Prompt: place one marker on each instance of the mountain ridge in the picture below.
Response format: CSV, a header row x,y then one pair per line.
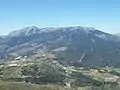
x,y
35,29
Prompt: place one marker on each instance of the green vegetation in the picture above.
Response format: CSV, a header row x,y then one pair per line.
x,y
25,86
48,74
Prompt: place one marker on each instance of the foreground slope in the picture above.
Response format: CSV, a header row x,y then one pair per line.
x,y
24,86
51,75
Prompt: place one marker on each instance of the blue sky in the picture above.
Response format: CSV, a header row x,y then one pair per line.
x,y
101,14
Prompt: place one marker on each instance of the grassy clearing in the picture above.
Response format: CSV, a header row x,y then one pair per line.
x,y
24,86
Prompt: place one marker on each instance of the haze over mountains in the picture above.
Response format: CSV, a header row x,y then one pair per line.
x,y
76,46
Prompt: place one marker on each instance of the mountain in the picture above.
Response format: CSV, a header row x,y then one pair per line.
x,y
74,46
118,34
25,31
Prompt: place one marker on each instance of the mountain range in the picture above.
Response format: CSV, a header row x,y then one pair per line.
x,y
75,46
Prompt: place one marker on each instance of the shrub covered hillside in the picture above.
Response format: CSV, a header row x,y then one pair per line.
x,y
51,74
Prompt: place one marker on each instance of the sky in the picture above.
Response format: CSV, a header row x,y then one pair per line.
x,y
100,14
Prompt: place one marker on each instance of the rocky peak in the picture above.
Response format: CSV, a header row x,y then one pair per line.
x,y
25,31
